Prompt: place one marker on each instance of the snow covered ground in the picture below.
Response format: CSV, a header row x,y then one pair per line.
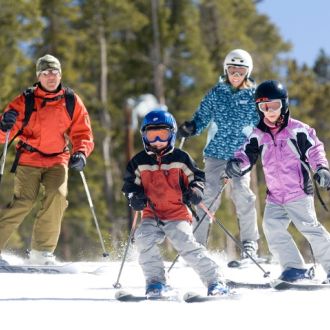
x,y
86,301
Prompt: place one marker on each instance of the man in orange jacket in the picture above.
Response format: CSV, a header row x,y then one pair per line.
x,y
43,158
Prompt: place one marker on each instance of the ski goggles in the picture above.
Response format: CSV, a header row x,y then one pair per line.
x,y
154,134
240,71
270,106
47,73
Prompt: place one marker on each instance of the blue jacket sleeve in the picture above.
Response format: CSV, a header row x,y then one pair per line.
x,y
204,114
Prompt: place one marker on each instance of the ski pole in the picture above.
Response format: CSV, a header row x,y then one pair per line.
x,y
117,285
237,242
105,254
182,142
4,154
199,221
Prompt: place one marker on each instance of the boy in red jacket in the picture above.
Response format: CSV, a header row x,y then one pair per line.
x,y
160,181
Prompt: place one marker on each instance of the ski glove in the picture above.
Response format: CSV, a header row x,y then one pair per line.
x,y
77,161
322,176
193,196
233,168
188,128
8,120
137,201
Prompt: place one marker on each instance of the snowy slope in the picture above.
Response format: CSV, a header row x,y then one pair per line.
x,y
86,301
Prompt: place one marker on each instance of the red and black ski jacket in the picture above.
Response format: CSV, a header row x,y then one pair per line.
x,y
164,179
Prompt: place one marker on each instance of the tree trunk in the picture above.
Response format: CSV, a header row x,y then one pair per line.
x,y
105,122
158,66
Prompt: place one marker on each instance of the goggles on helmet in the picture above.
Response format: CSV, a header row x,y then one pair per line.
x,y
47,73
270,106
239,71
157,134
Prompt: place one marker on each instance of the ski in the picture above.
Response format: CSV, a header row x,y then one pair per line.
x,y
193,297
68,268
247,285
246,262
130,297
305,286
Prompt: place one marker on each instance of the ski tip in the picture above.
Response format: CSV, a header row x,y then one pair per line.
x,y
189,295
121,294
101,270
275,282
234,264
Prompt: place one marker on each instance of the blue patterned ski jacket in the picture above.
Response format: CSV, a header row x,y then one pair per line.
x,y
230,114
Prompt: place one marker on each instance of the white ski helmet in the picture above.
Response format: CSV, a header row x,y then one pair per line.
x,y
238,57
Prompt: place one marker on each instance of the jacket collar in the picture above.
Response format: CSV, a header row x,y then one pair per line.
x,y
41,92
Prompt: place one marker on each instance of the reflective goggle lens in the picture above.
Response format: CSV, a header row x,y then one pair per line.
x,y
271,106
237,70
162,134
47,73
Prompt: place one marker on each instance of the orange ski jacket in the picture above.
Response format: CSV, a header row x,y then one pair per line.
x,y
50,129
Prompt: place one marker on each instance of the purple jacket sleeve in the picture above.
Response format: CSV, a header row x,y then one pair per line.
x,y
315,152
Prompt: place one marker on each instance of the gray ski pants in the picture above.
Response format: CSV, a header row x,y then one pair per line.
x,y
241,194
147,238
280,242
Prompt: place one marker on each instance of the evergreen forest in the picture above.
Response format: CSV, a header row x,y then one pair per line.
x,y
115,54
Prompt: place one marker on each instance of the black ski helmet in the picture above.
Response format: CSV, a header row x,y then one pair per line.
x,y
272,90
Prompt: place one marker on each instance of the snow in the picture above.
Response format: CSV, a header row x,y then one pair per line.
x,y
86,301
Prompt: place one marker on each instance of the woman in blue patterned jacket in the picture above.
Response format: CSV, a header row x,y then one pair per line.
x,y
228,110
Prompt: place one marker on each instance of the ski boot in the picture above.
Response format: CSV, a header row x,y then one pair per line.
x,y
41,258
157,290
251,247
217,289
294,274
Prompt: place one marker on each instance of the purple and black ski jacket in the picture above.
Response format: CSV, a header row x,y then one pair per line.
x,y
286,158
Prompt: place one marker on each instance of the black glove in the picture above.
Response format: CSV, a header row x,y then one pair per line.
x,y
77,161
233,168
8,120
188,128
137,201
322,176
193,195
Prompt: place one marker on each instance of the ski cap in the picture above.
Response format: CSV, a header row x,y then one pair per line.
x,y
48,62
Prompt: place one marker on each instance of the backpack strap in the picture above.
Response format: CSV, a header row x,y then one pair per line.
x,y
29,108
70,101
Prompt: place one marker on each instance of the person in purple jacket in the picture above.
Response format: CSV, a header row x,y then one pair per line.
x,y
289,151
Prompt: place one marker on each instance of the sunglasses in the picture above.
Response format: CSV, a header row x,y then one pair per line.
x,y
240,71
270,106
160,134
47,73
